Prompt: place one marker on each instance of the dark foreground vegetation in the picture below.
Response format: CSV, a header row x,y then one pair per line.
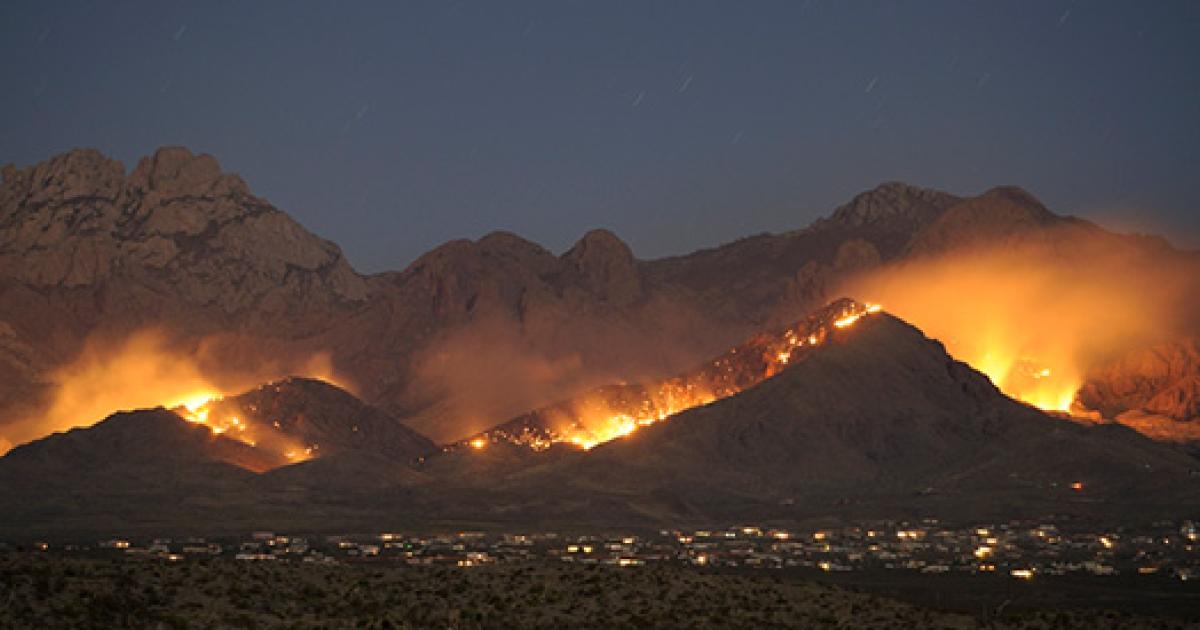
x,y
47,591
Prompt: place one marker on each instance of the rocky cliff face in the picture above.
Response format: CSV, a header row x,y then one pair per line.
x,y
484,328
1162,380
87,251
997,216
176,224
892,206
469,334
605,266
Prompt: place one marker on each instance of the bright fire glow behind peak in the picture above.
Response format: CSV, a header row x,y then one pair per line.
x,y
145,370
1035,316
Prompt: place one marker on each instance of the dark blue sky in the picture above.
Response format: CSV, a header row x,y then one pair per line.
x,y
391,128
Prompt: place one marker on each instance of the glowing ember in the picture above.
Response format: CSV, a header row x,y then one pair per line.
x,y
206,408
195,408
847,320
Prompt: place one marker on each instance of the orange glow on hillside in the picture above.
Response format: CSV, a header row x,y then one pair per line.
x,y
207,409
1031,321
146,371
619,411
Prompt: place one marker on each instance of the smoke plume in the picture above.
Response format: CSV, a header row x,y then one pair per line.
x,y
1034,317
148,369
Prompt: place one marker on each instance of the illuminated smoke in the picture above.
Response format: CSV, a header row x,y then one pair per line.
x,y
144,370
1035,317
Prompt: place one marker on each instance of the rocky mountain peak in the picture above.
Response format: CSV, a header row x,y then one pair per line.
x,y
501,240
599,240
511,247
997,216
177,220
606,265
1016,196
177,172
79,174
1163,380
891,200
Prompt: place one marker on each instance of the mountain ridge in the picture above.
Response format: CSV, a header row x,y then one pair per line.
x,y
922,435
201,256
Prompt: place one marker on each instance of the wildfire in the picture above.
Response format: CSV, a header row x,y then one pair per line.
x,y
847,320
207,408
619,411
145,370
194,407
1030,321
197,408
1026,378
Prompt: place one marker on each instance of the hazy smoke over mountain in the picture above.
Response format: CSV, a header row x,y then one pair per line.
x,y
148,369
1036,316
484,373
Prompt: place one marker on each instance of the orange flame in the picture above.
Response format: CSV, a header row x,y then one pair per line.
x,y
206,409
144,370
597,423
620,411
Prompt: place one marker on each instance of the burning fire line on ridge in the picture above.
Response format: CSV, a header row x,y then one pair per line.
x,y
205,408
620,410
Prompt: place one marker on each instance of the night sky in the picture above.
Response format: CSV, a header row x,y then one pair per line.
x,y
392,128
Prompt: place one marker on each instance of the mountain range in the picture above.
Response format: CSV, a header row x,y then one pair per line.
x,y
474,335
873,421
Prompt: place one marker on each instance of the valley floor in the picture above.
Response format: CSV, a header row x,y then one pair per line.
x,y
50,590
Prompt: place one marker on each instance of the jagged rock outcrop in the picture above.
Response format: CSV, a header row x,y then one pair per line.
x,y
86,250
895,204
1162,380
177,225
461,280
500,319
606,267
1000,215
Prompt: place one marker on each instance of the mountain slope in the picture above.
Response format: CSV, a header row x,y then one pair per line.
x,y
153,467
618,409
879,421
468,334
135,468
875,421
322,419
90,255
